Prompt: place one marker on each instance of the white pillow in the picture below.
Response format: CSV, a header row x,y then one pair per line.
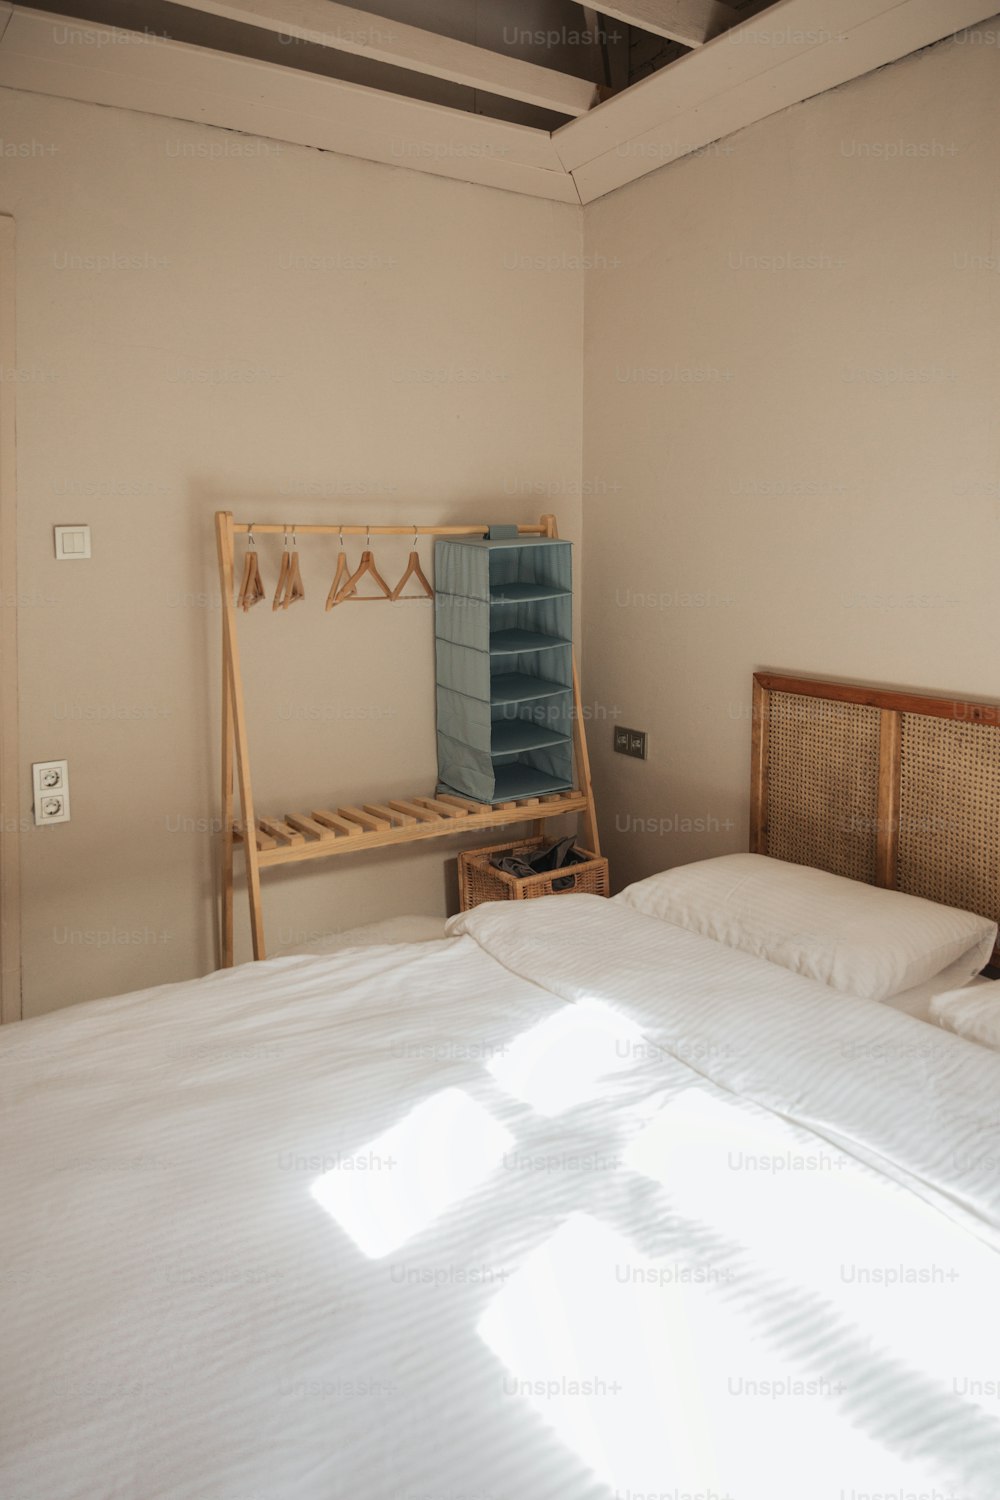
x,y
857,938
974,1014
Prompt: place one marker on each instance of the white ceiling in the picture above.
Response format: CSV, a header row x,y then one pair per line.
x,y
547,97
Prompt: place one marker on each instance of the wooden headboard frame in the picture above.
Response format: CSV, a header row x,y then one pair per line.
x,y
899,789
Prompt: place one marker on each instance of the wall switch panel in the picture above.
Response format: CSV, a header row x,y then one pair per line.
x,y
50,780
72,543
630,742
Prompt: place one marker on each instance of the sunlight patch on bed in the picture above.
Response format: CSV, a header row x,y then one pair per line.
x,y
569,1058
892,1269
406,1178
665,1387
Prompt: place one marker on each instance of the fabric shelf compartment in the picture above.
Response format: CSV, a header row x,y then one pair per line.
x,y
462,621
532,723
502,641
476,623
473,568
515,736
466,769
525,593
507,678
517,779
529,675
519,687
503,627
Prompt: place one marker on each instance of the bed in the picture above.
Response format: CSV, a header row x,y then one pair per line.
x,y
575,1201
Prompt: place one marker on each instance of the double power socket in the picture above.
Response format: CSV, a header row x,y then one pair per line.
x,y
50,780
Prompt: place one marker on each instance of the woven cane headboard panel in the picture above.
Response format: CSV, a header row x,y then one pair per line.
x,y
895,789
822,786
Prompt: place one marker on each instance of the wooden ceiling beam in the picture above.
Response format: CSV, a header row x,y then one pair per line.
x,y
776,59
692,22
185,82
345,29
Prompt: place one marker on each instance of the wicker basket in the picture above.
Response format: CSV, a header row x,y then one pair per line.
x,y
479,881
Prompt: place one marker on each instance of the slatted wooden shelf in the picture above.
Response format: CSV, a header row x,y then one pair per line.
x,y
374,825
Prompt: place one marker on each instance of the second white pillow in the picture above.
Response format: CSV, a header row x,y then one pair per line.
x,y
857,938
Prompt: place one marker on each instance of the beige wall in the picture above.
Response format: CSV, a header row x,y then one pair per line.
x,y
293,335
792,432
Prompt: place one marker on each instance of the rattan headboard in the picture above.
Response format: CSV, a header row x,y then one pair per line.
x,y
893,788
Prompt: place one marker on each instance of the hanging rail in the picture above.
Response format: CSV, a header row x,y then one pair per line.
x,y
327,530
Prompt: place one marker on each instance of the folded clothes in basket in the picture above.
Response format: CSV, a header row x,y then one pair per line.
x,y
539,861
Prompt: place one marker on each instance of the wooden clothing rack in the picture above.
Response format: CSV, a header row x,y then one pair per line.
x,y
320,833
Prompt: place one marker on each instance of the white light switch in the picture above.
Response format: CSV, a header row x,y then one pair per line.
x,y
50,779
72,543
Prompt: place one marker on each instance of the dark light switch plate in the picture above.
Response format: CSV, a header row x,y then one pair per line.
x,y
630,742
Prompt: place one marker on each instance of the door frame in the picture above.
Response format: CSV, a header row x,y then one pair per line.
x,y
10,810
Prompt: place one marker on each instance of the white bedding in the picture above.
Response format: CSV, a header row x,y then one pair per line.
x,y
580,1205
971,1012
919,1001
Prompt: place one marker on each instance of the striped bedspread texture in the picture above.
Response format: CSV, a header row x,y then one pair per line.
x,y
572,1203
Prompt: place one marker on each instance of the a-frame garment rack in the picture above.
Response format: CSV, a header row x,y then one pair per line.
x,y
290,838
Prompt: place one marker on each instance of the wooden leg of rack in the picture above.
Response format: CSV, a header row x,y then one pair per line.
x,y
256,909
226,892
591,837
224,539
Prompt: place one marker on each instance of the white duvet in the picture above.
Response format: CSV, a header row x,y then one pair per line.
x,y
580,1205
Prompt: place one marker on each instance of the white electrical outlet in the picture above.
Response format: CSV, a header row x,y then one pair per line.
x,y
50,779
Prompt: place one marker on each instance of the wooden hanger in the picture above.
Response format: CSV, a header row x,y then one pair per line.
x,y
343,572
349,595
279,593
413,570
251,588
290,586
294,587
282,576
